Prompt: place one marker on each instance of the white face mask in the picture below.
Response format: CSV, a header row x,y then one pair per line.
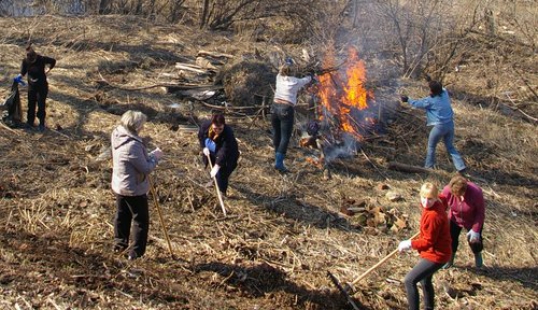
x,y
427,202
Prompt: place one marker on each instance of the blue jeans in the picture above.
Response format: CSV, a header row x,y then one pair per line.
x,y
445,132
282,119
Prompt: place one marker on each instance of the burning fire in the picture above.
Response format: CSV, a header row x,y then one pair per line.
x,y
343,94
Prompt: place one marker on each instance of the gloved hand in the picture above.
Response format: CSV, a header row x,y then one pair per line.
x,y
404,98
206,151
404,246
19,80
210,145
157,153
214,171
473,236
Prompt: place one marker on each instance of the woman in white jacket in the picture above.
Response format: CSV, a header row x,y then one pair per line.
x,y
283,110
131,167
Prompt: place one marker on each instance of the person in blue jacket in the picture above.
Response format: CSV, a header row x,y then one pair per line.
x,y
440,117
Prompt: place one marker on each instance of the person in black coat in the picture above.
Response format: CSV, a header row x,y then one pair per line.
x,y
38,87
217,141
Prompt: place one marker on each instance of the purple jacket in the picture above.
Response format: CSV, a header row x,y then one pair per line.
x,y
470,212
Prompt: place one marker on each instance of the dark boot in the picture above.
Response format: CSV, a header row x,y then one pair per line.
x,y
41,127
279,162
478,260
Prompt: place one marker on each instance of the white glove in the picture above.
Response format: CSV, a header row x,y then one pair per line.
x,y
473,236
205,151
404,246
157,153
214,171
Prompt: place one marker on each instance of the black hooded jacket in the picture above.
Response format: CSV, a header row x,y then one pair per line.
x,y
36,70
227,150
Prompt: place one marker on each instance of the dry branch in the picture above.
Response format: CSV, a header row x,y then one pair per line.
x,y
406,168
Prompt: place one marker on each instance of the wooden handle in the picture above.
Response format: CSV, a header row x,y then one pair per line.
x,y
221,202
374,267
156,203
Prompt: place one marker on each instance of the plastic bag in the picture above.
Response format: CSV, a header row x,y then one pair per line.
x,y
12,105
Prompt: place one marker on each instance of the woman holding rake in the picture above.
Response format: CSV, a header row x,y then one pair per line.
x,y
218,143
433,245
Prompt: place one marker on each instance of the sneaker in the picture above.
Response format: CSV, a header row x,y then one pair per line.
x,y
478,260
132,256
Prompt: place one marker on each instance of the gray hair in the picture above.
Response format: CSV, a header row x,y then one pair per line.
x,y
133,120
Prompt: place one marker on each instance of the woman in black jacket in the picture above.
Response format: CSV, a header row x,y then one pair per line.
x,y
217,141
38,88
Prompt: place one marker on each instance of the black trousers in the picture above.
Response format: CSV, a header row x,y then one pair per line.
x,y
282,118
37,94
223,176
423,273
131,209
455,231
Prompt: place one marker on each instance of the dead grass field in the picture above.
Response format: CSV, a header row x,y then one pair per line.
x,y
282,233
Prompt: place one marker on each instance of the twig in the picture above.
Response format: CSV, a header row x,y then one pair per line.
x,y
375,167
3,125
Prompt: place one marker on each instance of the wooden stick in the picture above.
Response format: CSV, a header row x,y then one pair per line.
x,y
217,187
374,267
156,203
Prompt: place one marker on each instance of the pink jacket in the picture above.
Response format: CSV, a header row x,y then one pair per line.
x,y
470,212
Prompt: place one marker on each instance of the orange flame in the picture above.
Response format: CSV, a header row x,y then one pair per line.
x,y
340,95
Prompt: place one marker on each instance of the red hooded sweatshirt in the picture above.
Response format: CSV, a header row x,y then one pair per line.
x,y
434,242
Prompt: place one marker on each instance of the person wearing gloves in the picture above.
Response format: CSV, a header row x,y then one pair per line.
x,y
283,110
217,141
433,245
130,183
440,117
467,210
34,65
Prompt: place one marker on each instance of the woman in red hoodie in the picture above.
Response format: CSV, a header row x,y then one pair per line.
x,y
433,244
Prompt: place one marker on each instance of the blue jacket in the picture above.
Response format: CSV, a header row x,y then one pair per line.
x,y
438,109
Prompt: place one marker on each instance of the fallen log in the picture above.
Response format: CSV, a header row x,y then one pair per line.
x,y
193,68
406,168
231,108
214,54
170,86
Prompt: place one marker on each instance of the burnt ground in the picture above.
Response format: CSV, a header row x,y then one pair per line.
x,y
282,233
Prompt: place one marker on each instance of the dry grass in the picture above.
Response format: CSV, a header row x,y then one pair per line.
x,y
282,233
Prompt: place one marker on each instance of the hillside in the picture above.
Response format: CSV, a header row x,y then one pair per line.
x,y
282,232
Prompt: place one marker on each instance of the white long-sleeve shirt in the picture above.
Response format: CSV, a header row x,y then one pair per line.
x,y
287,87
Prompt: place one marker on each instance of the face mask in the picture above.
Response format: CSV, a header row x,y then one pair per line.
x,y
427,202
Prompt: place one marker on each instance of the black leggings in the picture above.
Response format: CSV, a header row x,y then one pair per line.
x,y
423,273
37,94
455,231
135,209
282,119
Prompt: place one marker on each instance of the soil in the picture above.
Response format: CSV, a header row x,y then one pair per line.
x,y
282,232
